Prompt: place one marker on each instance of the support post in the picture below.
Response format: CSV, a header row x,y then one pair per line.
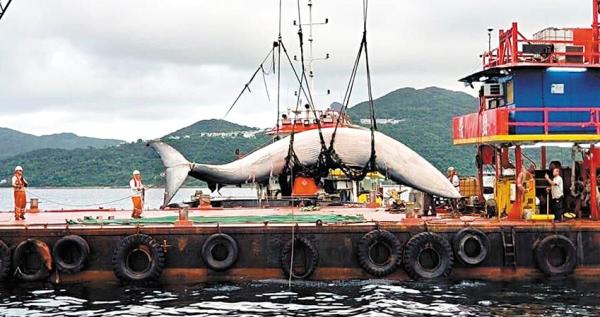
x,y
543,157
595,49
593,196
517,206
515,43
480,173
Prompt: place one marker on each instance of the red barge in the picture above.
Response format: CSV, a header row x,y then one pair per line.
x,y
535,92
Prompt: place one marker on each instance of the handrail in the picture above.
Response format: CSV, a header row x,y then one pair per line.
x,y
594,120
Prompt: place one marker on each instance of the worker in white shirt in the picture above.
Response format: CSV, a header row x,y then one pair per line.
x,y
137,194
455,180
556,190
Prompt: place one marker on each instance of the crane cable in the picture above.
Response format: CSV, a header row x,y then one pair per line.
x,y
247,85
3,9
331,158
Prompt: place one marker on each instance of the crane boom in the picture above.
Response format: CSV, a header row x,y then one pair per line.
x,y
4,7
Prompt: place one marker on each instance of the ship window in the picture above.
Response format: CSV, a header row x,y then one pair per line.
x,y
510,92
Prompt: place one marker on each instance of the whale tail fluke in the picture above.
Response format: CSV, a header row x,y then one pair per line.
x,y
177,168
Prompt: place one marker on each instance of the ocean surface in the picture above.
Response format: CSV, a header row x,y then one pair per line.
x,y
276,298
563,297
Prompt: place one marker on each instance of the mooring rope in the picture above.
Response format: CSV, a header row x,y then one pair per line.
x,y
76,205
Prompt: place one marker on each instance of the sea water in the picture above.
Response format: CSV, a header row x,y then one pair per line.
x,y
277,298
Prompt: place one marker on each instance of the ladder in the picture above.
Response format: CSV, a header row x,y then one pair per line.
x,y
510,250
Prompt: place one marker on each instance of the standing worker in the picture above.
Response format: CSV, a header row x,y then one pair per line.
x,y
526,179
18,184
137,196
556,191
455,180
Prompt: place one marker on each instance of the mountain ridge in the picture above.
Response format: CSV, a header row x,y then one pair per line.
x,y
419,118
13,142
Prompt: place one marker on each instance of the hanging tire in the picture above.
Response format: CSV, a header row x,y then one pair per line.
x,y
379,252
305,258
556,255
5,261
138,258
70,253
428,255
32,260
220,251
471,246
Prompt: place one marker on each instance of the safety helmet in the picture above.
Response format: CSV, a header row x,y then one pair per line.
x,y
18,168
136,172
450,169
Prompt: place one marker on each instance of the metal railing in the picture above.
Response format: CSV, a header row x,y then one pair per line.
x,y
594,118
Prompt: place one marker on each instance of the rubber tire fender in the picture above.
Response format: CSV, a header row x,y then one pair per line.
x,y
311,262
70,241
41,273
390,241
464,235
428,241
149,246
232,251
5,261
542,251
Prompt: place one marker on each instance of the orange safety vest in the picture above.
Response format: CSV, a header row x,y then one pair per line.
x,y
19,183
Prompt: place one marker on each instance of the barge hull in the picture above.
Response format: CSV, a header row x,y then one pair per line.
x,y
261,246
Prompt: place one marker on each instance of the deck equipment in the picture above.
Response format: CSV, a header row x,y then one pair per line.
x,y
537,92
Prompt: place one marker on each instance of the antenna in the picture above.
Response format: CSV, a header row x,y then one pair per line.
x,y
311,59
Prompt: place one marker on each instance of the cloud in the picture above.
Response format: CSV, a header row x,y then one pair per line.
x,y
143,68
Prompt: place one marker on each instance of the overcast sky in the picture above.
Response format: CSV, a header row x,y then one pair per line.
x,y
132,69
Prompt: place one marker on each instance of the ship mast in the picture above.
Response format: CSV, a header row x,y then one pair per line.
x,y
311,57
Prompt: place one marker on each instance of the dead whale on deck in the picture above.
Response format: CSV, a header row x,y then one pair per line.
x,y
394,159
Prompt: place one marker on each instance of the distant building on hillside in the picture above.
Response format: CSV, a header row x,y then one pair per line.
x,y
382,121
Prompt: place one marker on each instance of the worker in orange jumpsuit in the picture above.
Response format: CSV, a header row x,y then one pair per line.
x,y
137,195
18,184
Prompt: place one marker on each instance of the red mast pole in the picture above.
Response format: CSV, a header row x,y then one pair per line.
x,y
595,40
517,206
515,43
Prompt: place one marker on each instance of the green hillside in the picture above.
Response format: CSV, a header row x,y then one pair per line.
x,y
112,166
14,142
423,122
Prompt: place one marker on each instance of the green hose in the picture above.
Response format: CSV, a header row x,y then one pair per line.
x,y
230,219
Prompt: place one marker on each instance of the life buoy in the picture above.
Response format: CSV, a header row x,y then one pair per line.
x,y
220,251
379,252
138,258
70,253
305,258
4,261
428,255
32,260
471,246
556,255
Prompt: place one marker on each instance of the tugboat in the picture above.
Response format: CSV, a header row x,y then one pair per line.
x,y
535,93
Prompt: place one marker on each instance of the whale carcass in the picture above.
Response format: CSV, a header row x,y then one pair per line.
x,y
353,146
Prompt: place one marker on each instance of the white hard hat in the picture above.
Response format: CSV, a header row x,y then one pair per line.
x,y
18,168
136,172
450,169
